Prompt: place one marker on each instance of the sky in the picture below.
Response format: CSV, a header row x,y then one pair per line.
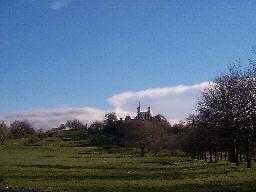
x,y
65,59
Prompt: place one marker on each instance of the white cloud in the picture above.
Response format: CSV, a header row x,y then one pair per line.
x,y
58,4
49,118
176,102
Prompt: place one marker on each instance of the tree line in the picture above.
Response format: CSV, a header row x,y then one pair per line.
x,y
226,119
17,129
144,134
224,125
25,129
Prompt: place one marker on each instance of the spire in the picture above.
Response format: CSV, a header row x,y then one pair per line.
x,y
138,108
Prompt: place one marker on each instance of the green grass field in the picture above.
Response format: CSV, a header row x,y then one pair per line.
x,y
57,165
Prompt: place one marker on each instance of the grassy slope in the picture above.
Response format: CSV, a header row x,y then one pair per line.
x,y
63,166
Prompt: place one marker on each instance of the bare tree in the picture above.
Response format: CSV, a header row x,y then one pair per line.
x,y
110,118
149,134
4,132
75,124
96,126
228,109
20,129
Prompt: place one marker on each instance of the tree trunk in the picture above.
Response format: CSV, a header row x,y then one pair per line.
x,y
232,155
2,140
253,152
210,156
237,152
236,157
142,151
248,159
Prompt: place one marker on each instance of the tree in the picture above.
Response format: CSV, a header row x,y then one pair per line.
x,y
200,138
160,117
110,118
4,132
75,124
227,108
96,126
149,134
21,129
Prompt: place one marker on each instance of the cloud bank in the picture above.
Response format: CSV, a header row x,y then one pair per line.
x,y
50,118
175,102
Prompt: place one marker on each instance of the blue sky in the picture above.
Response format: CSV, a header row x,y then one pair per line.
x,y
59,54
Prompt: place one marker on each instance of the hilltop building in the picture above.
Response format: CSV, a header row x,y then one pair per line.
x,y
141,115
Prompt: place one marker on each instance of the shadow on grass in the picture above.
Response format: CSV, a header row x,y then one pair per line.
x,y
174,188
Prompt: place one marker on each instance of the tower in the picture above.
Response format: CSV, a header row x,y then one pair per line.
x,y
143,115
138,108
149,110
